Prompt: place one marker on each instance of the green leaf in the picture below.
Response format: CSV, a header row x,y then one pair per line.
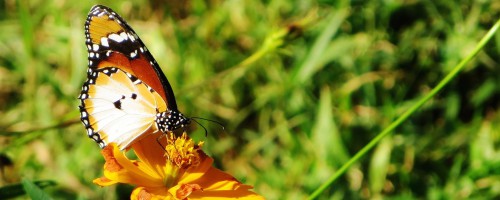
x,y
15,190
11,191
379,165
326,135
34,191
312,63
485,91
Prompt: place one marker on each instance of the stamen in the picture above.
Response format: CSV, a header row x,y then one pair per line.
x,y
182,151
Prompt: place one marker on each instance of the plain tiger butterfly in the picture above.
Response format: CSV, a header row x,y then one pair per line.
x,y
126,95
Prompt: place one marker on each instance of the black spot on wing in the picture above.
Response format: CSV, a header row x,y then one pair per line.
x,y
118,104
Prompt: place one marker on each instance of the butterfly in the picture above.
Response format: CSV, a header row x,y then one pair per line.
x,y
126,95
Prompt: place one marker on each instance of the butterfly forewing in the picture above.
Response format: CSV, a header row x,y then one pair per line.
x,y
109,37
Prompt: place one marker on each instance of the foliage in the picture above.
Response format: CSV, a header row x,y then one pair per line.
x,y
300,87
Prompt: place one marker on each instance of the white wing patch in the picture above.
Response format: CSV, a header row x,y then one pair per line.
x,y
119,107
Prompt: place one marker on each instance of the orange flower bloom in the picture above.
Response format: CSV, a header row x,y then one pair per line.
x,y
179,171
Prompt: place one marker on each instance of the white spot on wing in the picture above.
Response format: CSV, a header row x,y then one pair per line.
x,y
116,37
104,42
133,54
131,37
124,35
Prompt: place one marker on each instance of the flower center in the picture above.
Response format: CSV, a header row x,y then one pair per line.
x,y
182,151
181,154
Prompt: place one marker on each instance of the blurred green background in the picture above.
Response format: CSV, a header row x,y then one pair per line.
x,y
294,112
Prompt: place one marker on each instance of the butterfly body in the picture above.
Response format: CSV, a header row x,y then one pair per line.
x,y
126,95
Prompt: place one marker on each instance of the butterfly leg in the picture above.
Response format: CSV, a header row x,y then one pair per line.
x,y
159,143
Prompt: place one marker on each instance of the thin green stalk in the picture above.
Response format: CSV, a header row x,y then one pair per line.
x,y
406,114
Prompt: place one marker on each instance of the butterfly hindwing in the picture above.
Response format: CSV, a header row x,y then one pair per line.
x,y
117,102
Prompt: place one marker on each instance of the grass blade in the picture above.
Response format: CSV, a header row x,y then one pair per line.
x,y
406,114
34,191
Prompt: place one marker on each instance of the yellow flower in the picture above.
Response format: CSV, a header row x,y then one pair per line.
x,y
176,169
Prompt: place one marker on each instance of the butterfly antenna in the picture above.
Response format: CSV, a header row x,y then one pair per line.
x,y
210,120
206,131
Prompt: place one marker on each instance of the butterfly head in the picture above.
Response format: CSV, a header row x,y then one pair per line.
x,y
171,120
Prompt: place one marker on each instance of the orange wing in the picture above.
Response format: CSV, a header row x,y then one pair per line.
x,y
111,42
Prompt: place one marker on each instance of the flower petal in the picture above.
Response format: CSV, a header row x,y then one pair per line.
x,y
213,184
196,172
186,189
103,181
119,168
151,194
208,177
215,179
156,176
149,151
224,194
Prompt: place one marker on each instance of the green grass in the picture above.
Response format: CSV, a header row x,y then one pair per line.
x,y
301,88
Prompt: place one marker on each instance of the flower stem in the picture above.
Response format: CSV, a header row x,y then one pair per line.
x,y
406,114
